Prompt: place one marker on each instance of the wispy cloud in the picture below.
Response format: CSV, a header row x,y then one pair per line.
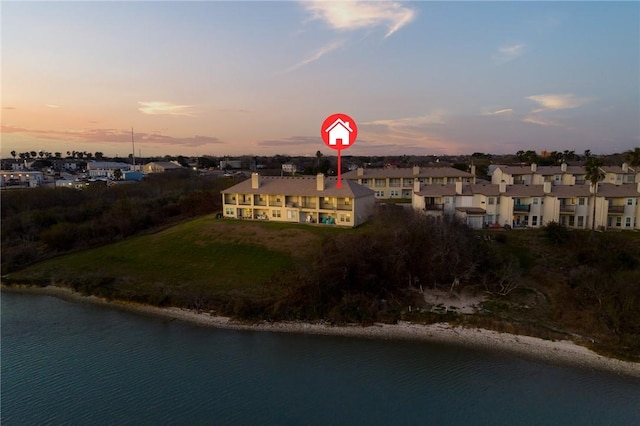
x,y
293,141
9,107
505,111
436,117
53,106
113,136
353,15
535,119
317,54
508,53
557,101
164,108
359,14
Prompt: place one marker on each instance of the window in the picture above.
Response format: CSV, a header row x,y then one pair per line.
x,y
380,182
629,201
492,201
541,220
498,200
229,211
581,221
489,218
276,213
619,221
291,214
394,193
447,200
534,220
572,221
581,201
628,222
558,178
379,193
365,181
535,201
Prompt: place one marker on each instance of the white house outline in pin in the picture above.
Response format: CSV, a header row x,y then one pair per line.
x,y
339,131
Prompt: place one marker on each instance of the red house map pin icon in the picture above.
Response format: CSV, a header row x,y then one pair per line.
x,y
339,131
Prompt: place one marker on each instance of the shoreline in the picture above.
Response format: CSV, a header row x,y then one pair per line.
x,y
554,352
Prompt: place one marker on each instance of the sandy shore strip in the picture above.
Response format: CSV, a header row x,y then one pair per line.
x,y
557,352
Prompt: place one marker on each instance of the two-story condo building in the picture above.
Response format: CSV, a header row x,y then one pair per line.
x,y
616,206
306,199
399,182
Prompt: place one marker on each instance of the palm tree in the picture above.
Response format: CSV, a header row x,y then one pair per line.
x,y
319,155
13,154
633,157
594,175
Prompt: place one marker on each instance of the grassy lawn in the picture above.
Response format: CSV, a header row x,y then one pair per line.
x,y
208,255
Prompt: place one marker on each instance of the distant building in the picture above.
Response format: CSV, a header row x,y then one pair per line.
x,y
105,168
389,183
162,166
21,179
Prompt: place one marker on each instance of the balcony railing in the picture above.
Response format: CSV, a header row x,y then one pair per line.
x,y
616,209
433,207
308,205
568,208
521,207
343,206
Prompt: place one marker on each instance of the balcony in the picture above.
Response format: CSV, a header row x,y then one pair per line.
x,y
434,207
567,208
344,206
308,205
327,206
521,207
616,209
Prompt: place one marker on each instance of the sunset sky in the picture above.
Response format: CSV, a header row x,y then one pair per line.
x,y
228,78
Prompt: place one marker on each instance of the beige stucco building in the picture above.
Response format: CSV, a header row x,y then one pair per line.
x,y
306,199
389,183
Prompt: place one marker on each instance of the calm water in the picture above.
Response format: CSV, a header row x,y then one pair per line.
x,y
66,363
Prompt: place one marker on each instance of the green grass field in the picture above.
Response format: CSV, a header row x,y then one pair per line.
x,y
205,255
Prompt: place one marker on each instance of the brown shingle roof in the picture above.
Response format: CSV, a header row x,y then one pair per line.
x,y
611,190
525,191
437,190
305,185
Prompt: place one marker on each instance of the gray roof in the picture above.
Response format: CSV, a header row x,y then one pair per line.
x,y
491,190
541,170
525,191
437,190
304,185
408,173
566,191
617,169
164,164
612,191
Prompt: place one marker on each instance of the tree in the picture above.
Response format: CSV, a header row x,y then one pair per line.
x,y
319,156
33,154
117,173
594,175
58,155
632,157
13,154
99,155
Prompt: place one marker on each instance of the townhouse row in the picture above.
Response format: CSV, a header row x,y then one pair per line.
x,y
575,206
319,199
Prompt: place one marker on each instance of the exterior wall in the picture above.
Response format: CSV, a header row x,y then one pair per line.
x,y
20,179
340,211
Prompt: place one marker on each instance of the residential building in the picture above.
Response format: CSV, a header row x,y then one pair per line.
x,y
162,166
303,199
392,182
105,168
21,179
533,206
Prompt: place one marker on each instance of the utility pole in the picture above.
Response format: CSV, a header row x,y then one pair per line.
x,y
133,151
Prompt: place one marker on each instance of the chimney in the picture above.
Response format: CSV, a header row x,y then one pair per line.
x,y
534,167
625,168
546,187
638,187
320,182
360,171
563,167
502,187
459,188
255,181
416,185
416,170
473,169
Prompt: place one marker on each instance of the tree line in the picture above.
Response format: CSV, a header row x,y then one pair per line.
x,y
41,222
